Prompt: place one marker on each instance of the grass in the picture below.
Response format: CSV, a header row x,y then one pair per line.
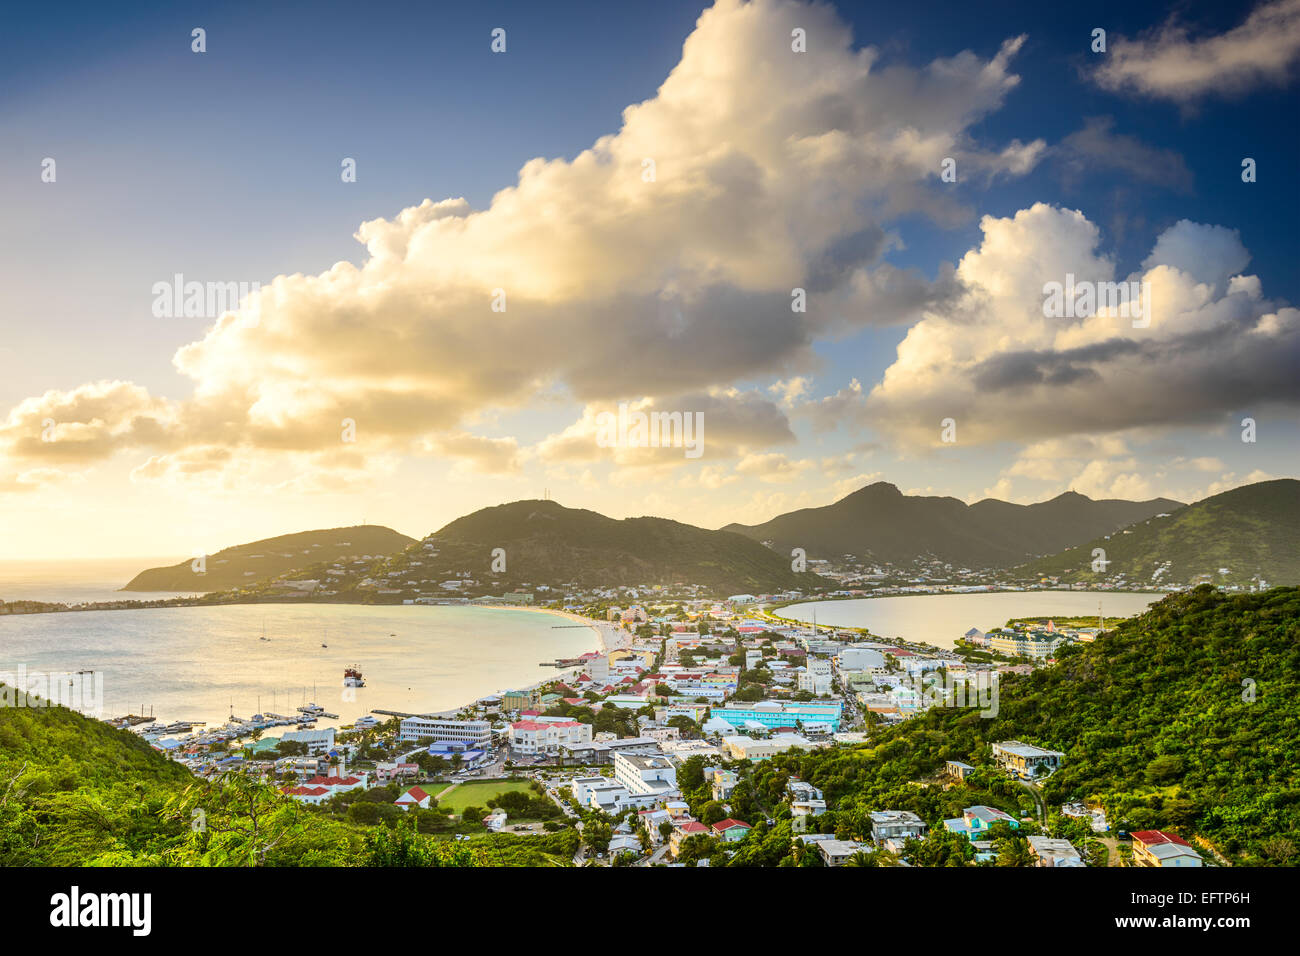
x,y
478,793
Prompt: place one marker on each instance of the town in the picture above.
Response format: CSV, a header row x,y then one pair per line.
x,y
660,748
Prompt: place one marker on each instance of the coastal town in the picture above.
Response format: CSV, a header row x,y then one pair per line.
x,y
659,747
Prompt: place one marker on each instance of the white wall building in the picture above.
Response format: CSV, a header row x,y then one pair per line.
x,y
476,734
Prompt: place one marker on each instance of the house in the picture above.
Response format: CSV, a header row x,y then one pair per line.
x,y
896,824
731,830
1052,852
624,843
683,830
799,790
957,769
1158,848
495,820
837,852
724,782
312,795
415,797
1026,760
338,784
393,770
975,820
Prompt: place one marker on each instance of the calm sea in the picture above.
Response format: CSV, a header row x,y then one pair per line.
x,y
203,663
940,619
77,582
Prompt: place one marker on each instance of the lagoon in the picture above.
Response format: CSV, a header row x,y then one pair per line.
x,y
199,663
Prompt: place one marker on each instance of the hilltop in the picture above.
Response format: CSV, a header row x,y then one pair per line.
x,y
259,561
1236,537
547,543
879,523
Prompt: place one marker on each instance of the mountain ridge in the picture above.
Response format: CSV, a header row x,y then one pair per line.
x,y
879,523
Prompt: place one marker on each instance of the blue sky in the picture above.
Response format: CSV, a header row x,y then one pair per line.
x,y
225,166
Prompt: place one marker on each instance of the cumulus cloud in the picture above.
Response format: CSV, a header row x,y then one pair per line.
x,y
1169,63
1004,371
772,170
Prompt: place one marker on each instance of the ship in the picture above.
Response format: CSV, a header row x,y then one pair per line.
x,y
352,678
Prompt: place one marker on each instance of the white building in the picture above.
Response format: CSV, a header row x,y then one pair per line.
x,y
317,741
476,734
816,676
860,659
548,737
646,776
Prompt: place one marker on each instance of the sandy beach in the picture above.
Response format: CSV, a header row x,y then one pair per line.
x,y
611,636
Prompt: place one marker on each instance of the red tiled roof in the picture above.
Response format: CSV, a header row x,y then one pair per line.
x,y
1156,837
415,793
306,791
692,826
729,823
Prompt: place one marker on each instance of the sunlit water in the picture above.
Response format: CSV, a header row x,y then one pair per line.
x,y
940,619
197,663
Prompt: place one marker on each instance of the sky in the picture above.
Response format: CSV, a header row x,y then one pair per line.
x,y
823,232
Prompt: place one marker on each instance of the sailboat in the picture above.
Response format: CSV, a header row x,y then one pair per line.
x,y
264,637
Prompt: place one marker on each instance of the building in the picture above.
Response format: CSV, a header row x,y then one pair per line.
x,y
815,678
955,768
747,748
723,782
495,820
644,776
317,741
391,770
1026,760
896,825
548,737
860,659
415,797
683,831
1158,848
476,734
305,794
977,820
837,852
731,830
1052,852
776,713
520,699
1038,645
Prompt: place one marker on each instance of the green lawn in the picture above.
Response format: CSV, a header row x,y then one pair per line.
x,y
478,793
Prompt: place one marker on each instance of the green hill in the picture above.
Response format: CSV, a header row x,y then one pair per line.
x,y
264,560
879,523
76,792
546,543
1236,537
1185,718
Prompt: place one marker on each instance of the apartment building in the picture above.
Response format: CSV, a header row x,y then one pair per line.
x,y
475,734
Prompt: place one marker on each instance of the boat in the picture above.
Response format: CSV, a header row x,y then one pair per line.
x,y
352,677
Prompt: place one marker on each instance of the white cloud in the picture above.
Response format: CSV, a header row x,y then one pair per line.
x,y
1169,63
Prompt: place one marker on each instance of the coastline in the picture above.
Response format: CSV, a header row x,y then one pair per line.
x,y
611,636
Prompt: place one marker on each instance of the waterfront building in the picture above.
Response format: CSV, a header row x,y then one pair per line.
x,y
474,733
